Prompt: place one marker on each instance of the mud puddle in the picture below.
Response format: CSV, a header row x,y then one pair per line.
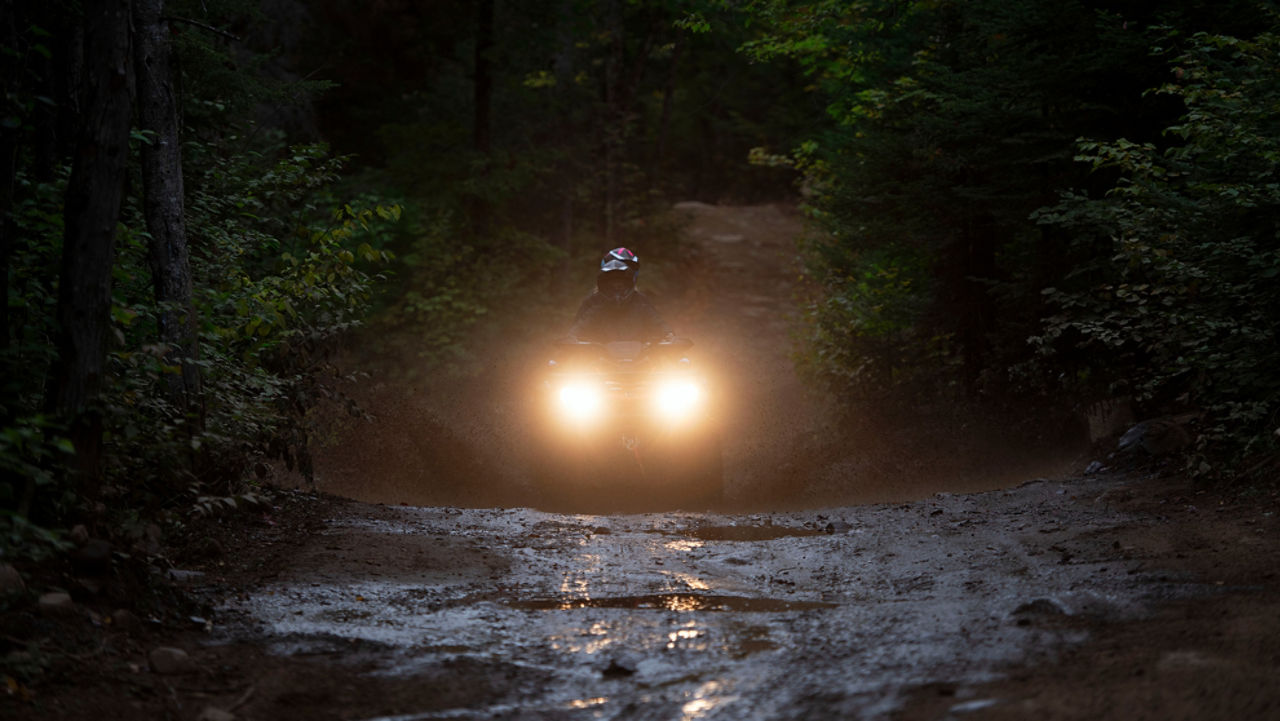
x,y
748,533
827,614
678,602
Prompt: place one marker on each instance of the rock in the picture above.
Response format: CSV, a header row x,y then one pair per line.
x,y
151,542
1119,494
56,605
179,575
1158,436
619,668
979,704
168,661
213,713
11,583
205,548
1040,608
1094,467
79,534
93,558
125,621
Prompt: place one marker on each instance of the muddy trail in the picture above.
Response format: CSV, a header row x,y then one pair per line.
x,y
462,438
938,572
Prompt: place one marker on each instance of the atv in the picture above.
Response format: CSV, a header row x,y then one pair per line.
x,y
626,426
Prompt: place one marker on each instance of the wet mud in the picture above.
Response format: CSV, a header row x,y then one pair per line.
x,y
834,613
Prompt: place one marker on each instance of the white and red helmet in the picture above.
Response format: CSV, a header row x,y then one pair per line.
x,y
618,271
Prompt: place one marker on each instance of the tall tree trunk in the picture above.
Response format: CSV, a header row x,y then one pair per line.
x,y
483,128
163,206
668,92
613,133
478,207
92,210
9,81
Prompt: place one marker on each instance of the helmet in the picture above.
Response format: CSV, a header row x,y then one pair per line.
x,y
617,277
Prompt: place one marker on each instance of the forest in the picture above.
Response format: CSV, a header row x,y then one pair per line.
x,y
1047,203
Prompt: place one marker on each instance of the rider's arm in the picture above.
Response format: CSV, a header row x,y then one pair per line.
x,y
584,322
655,326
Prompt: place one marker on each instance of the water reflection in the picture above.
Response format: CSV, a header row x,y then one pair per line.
x,y
687,637
680,602
692,582
577,583
591,640
705,700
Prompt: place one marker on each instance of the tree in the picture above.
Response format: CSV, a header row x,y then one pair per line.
x,y
1176,301
164,208
92,211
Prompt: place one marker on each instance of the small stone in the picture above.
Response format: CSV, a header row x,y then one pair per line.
x,y
1094,467
1040,608
183,576
168,661
213,713
125,621
152,541
56,604
93,558
205,548
619,668
79,534
11,583
88,586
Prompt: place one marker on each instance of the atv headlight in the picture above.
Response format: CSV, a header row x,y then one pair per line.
x,y
675,400
581,401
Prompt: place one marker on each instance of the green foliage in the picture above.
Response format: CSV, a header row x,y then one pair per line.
x,y
948,242
280,268
865,330
1178,303
951,122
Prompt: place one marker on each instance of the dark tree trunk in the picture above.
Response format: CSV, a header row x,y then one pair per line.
x,y
613,134
92,210
482,121
45,150
483,129
9,80
978,307
163,206
668,92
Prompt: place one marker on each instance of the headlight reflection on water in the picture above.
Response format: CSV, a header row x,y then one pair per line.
x,y
710,696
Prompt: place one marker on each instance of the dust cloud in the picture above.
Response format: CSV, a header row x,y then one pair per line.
x,y
460,439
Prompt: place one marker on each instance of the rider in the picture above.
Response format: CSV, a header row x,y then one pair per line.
x,y
616,311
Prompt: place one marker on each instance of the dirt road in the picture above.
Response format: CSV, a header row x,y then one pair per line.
x,y
907,578
921,610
